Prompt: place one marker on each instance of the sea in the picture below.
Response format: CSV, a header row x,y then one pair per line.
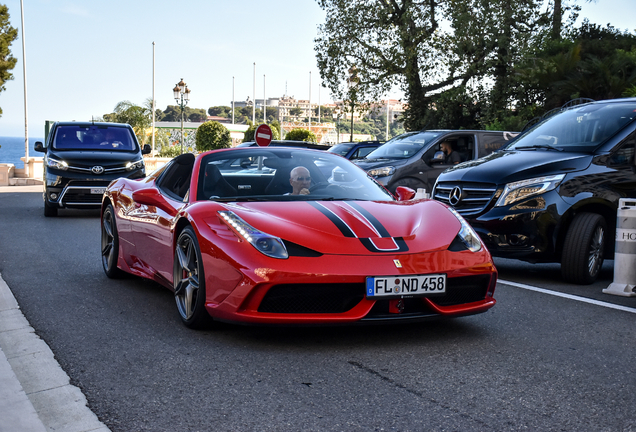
x,y
12,149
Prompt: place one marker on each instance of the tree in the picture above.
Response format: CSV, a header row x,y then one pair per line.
x,y
139,117
301,135
212,135
7,35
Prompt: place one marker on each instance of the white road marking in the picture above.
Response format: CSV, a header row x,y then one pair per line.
x,y
569,296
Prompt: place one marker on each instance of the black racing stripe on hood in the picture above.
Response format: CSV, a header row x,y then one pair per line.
x,y
339,223
372,219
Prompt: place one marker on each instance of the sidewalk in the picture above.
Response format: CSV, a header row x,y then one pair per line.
x,y
35,393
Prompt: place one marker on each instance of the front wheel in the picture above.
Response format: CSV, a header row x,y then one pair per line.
x,y
110,244
189,280
583,250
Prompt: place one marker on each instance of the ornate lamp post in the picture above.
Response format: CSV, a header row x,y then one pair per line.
x,y
182,96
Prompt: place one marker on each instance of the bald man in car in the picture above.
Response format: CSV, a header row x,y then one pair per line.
x,y
300,179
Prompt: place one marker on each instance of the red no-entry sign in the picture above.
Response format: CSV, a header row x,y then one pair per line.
x,y
263,135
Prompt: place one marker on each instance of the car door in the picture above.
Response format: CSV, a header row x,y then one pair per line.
x,y
153,224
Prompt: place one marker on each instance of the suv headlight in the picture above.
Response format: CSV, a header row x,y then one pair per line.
x,y
130,166
381,172
467,234
517,191
57,164
263,242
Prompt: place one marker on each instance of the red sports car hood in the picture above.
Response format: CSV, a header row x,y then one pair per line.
x,y
354,227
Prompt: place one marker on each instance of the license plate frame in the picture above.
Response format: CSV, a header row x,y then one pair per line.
x,y
405,286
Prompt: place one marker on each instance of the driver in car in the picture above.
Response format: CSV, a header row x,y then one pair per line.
x,y
300,180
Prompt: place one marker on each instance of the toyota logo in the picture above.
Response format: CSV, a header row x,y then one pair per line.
x,y
97,169
455,196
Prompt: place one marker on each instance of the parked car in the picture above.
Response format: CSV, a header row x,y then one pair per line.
x,y
355,150
81,159
415,159
234,243
552,194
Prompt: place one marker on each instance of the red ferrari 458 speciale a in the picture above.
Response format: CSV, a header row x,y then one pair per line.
x,y
274,235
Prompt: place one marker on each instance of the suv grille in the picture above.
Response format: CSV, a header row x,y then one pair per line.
x,y
80,193
474,196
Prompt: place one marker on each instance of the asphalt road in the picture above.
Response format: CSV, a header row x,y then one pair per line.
x,y
534,362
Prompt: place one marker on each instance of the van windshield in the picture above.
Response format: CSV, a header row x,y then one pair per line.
x,y
578,129
94,137
403,146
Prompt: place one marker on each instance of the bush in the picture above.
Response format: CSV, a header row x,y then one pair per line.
x,y
212,135
301,135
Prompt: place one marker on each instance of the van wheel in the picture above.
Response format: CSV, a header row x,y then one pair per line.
x,y
583,249
49,210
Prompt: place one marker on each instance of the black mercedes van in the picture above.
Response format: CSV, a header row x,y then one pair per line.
x,y
81,159
552,194
415,159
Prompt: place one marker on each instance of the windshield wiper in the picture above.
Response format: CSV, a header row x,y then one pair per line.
x,y
538,146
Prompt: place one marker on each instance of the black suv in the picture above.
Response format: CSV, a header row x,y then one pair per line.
x,y
81,159
552,194
415,159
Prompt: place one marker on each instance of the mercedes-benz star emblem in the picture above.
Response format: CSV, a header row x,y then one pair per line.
x,y
455,196
97,169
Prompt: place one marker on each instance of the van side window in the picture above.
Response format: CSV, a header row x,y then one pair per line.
x,y
625,153
490,142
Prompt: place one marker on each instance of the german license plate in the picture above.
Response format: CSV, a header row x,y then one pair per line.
x,y
99,191
405,286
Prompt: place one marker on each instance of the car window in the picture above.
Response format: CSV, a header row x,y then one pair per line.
x,y
267,178
490,142
581,128
341,149
403,146
93,137
175,180
363,152
624,154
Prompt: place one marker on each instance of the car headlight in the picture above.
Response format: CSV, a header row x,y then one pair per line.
x,y
517,191
467,234
131,166
57,164
381,172
264,243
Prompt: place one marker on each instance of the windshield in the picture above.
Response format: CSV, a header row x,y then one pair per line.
x,y
578,129
280,174
94,137
403,146
341,149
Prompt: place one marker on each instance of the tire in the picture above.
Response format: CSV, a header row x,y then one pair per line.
x,y
583,250
110,244
189,281
49,210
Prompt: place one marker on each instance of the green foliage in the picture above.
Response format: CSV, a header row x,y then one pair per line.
x,y
170,151
172,113
7,35
301,135
212,135
140,118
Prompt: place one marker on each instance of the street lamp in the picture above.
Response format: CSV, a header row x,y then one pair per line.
x,y
182,96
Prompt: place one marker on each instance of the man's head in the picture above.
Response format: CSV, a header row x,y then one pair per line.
x,y
300,180
446,147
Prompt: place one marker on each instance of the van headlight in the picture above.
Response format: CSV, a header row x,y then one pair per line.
x,y
131,166
381,172
57,164
523,189
467,234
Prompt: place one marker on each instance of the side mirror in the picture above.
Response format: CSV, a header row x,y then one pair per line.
x,y
39,147
146,149
438,157
404,193
150,197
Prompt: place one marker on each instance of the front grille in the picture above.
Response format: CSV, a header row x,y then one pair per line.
x,y
474,196
465,289
340,298
79,194
312,298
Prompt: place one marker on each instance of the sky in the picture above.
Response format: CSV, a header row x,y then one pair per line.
x,y
83,57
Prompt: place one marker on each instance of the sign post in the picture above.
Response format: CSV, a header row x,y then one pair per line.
x,y
263,135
